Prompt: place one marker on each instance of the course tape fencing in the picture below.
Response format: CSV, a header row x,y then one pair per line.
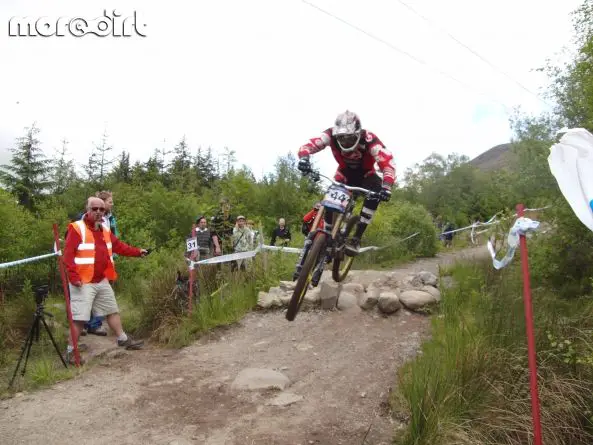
x,y
262,247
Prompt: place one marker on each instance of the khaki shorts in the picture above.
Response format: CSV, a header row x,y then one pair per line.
x,y
97,298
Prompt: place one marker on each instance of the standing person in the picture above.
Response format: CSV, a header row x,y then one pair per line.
x,y
448,237
95,324
109,218
207,247
88,259
207,242
281,232
242,242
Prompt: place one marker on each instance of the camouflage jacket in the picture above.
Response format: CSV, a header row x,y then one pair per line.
x,y
242,239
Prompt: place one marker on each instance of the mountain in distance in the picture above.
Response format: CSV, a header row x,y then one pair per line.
x,y
497,158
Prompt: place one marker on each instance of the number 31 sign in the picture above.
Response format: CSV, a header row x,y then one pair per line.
x,y
192,244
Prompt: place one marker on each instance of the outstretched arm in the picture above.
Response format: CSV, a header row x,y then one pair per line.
x,y
315,144
123,249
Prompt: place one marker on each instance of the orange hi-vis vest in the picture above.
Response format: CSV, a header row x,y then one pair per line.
x,y
85,253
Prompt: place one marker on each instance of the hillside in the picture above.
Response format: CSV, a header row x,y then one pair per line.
x,y
496,158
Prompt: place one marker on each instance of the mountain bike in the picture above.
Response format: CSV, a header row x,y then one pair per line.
x,y
322,246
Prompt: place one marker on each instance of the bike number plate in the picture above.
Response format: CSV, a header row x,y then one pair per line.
x,y
191,244
336,198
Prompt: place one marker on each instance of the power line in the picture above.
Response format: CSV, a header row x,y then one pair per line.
x,y
411,56
474,52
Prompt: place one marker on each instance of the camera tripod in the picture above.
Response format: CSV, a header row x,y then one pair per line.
x,y
34,333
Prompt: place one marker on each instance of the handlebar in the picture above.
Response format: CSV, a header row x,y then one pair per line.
x,y
367,192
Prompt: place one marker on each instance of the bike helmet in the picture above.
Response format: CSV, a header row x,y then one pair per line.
x,y
347,131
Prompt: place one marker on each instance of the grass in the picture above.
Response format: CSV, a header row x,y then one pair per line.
x,y
471,383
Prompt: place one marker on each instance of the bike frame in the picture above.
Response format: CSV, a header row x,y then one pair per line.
x,y
338,217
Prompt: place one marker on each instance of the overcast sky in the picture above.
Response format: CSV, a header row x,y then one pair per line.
x,y
263,76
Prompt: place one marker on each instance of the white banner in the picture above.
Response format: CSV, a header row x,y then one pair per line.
x,y
571,163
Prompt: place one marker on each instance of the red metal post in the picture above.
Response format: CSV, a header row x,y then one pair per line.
x,y
66,296
191,274
535,408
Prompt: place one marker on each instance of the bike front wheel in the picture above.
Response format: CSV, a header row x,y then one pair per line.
x,y
302,285
341,262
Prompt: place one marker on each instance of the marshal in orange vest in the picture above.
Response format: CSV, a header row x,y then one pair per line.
x,y
85,253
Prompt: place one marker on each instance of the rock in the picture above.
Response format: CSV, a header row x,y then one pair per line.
x,y
256,378
303,347
328,294
389,302
369,299
361,278
355,289
267,301
412,282
433,291
312,297
347,301
285,399
390,281
275,291
428,278
287,286
285,298
415,299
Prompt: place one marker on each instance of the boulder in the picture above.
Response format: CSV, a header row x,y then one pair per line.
x,y
347,301
416,299
252,379
389,302
370,298
428,278
328,294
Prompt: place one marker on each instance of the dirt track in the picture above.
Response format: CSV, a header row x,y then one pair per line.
x,y
343,364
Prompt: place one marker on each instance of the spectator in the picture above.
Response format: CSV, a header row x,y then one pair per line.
x,y
242,242
87,255
207,243
282,232
448,237
109,217
207,246
95,324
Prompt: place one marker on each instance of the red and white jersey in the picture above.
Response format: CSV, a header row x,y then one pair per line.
x,y
370,149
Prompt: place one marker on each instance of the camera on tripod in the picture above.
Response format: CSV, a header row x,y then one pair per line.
x,y
41,294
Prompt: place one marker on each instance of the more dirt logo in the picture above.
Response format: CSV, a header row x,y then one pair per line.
x,y
109,24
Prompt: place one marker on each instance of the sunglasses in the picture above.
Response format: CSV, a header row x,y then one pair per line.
x,y
98,209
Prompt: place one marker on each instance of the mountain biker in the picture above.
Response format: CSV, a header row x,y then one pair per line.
x,y
356,151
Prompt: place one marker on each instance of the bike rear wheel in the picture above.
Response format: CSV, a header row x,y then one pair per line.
x,y
306,274
340,259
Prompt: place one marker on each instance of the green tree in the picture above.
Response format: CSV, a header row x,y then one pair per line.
x,y
27,175
63,170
